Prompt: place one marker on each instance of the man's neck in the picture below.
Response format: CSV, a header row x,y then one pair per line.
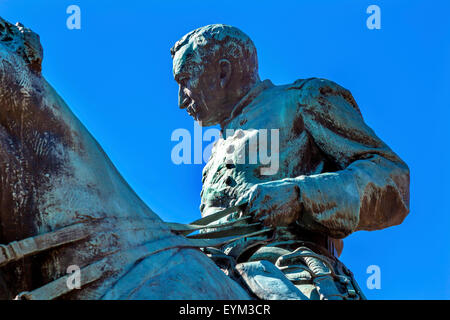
x,y
251,94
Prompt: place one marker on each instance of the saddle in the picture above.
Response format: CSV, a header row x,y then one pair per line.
x,y
272,264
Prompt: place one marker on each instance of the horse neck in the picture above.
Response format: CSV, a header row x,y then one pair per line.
x,y
54,174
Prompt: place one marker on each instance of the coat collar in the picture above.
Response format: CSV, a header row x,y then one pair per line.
x,y
247,99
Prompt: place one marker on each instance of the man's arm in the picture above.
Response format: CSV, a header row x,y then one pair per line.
x,y
369,191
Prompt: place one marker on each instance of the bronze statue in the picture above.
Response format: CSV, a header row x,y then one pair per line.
x,y
335,175
64,204
274,231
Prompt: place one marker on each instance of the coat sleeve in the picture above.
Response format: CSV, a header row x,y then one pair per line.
x,y
370,189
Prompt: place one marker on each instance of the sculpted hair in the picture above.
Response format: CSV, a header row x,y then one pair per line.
x,y
219,41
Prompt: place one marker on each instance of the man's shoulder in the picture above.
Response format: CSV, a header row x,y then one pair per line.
x,y
316,85
308,86
319,89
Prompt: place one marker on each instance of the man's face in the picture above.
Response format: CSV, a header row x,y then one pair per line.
x,y
199,90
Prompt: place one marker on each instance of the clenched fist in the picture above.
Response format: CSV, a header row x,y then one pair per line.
x,y
274,203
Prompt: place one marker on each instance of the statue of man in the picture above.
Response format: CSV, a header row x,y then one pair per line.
x,y
335,176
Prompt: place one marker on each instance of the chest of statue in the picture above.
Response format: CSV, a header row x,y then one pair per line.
x,y
265,142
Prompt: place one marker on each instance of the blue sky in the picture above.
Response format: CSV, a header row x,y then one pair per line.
x,y
115,74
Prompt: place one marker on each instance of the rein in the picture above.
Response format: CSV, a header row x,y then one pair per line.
x,y
221,235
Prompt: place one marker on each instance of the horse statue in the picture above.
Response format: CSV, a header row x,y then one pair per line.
x,y
64,206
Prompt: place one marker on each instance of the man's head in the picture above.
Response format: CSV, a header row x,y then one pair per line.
x,y
215,66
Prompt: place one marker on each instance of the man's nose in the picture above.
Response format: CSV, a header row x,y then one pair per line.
x,y
182,98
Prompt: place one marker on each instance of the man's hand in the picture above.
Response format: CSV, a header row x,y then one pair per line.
x,y
274,203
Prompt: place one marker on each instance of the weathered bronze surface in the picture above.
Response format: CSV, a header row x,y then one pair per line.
x,y
63,203
275,232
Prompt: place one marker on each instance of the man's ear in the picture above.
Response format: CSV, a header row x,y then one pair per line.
x,y
225,72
